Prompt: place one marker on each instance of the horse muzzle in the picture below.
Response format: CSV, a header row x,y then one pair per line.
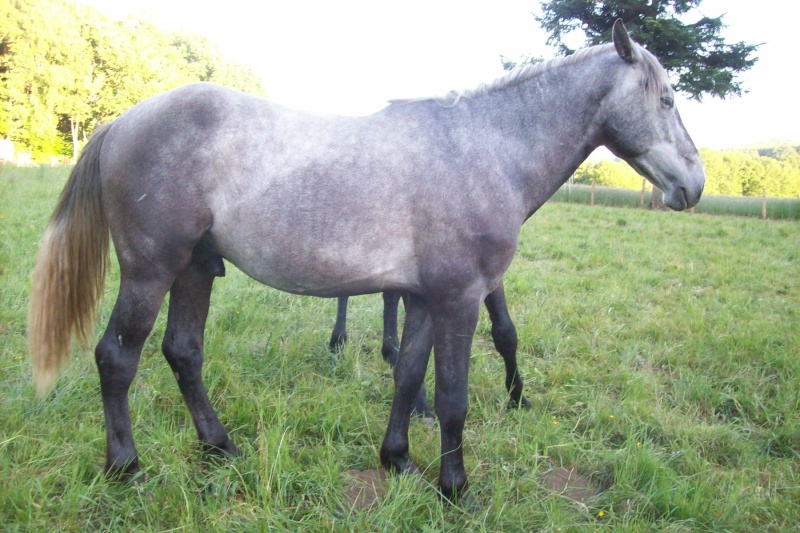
x,y
682,178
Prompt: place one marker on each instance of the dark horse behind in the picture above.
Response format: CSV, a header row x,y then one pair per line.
x,y
298,201
504,336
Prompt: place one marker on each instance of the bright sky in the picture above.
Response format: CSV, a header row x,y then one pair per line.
x,y
351,56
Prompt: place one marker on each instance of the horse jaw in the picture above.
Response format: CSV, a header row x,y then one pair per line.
x,y
666,169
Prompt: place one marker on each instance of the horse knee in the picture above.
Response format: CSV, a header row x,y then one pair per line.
x,y
183,353
504,335
117,367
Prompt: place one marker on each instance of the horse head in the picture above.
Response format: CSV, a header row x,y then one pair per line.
x,y
643,127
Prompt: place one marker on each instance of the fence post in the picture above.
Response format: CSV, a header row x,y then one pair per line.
x,y
641,198
764,203
593,181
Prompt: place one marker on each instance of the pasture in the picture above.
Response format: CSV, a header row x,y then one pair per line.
x,y
660,352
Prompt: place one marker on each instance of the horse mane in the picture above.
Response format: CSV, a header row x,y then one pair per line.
x,y
654,79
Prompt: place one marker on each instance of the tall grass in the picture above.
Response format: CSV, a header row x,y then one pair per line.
x,y
659,352
777,208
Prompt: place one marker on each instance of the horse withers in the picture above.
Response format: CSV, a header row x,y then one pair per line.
x,y
298,201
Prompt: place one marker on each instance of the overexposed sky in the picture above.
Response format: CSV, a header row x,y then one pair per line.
x,y
351,56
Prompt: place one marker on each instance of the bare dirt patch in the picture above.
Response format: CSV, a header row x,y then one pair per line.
x,y
571,484
363,488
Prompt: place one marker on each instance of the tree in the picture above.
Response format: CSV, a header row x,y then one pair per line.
x,y
41,50
610,174
65,67
695,53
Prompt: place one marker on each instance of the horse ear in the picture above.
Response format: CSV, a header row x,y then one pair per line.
x,y
622,41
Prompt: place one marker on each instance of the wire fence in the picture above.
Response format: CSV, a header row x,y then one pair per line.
x,y
752,206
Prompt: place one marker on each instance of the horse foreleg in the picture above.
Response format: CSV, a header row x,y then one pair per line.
x,y
339,333
504,335
117,356
391,349
409,374
183,348
454,325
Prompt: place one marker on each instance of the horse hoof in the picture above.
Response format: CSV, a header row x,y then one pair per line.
x,y
425,413
128,473
226,449
390,353
462,498
466,501
400,464
522,403
337,342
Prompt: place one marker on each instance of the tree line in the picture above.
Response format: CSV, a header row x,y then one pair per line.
x,y
66,67
741,172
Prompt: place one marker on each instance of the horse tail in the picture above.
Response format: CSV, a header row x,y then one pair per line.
x,y
70,268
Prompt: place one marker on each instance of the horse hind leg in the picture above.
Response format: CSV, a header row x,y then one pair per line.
x,y
339,333
391,346
183,348
117,357
504,335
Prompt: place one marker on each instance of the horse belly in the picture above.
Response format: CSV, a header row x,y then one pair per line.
x,y
319,266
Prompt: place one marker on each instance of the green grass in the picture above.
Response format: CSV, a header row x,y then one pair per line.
x,y
659,350
750,206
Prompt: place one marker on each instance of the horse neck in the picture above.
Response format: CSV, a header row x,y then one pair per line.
x,y
549,124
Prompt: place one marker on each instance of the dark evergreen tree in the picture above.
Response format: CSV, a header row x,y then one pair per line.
x,y
694,53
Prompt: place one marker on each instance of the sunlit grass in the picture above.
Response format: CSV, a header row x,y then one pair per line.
x,y
659,351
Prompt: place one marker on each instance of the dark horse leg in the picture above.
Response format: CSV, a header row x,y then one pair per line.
x,y
451,326
409,375
454,324
183,348
142,289
390,349
391,341
339,333
391,345
117,356
504,335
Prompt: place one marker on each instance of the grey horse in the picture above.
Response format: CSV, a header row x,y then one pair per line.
x,y
420,197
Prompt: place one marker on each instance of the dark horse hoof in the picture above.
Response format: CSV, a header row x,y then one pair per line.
x,y
522,403
463,499
390,351
337,341
124,472
224,450
399,463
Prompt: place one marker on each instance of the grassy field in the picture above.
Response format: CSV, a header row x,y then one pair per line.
x,y
659,351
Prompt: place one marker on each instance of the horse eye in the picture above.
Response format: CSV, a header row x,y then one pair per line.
x,y
667,101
